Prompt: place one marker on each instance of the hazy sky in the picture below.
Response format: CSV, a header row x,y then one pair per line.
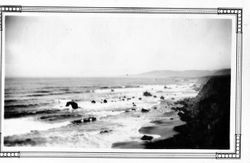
x,y
113,44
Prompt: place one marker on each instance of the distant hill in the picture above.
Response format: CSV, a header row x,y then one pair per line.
x,y
187,73
222,72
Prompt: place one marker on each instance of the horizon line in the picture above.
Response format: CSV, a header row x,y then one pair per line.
x,y
111,76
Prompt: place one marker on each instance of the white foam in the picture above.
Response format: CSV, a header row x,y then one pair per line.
x,y
177,91
129,126
25,125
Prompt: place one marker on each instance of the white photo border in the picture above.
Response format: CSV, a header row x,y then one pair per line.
x,y
234,12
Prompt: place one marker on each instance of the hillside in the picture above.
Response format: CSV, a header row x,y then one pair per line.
x,y
207,118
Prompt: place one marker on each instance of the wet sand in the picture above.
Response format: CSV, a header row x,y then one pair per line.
x,y
159,129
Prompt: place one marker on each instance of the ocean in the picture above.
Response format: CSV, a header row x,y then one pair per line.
x,y
110,109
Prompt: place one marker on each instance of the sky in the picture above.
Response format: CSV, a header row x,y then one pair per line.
x,y
92,45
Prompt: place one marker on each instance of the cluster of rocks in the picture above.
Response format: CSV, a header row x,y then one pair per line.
x,y
148,94
84,120
143,110
103,101
74,105
123,98
126,98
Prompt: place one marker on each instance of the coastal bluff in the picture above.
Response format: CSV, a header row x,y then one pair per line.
x,y
207,118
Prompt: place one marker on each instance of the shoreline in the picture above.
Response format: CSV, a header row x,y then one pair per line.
x,y
161,128
126,116
207,119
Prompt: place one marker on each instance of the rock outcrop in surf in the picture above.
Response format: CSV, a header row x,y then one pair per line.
x,y
73,104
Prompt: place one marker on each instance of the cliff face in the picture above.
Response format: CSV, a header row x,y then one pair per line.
x,y
207,119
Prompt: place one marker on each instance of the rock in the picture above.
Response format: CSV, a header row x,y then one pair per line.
x,y
171,118
84,120
128,99
165,87
34,132
105,101
105,131
146,137
77,122
175,108
139,98
134,104
162,98
89,119
145,110
155,107
112,90
147,93
130,109
127,110
93,102
155,96
73,104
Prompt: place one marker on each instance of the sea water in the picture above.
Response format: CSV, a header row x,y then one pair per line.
x,y
35,109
